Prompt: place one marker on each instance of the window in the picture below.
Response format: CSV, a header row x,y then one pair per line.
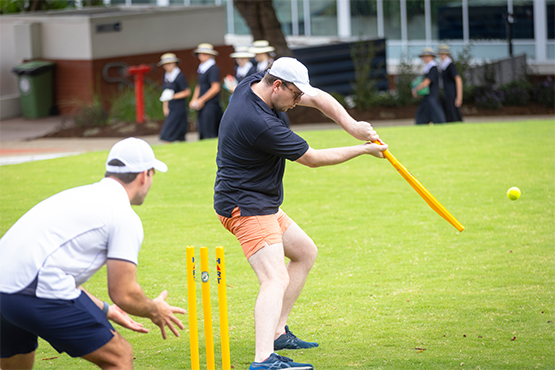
x,y
392,19
364,19
323,17
551,19
447,20
416,20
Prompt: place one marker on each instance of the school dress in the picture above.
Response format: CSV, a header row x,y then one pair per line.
x,y
430,109
176,123
448,74
242,72
208,118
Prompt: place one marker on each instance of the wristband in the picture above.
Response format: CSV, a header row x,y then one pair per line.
x,y
105,308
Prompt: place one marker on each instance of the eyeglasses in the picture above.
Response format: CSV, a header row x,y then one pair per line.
x,y
297,96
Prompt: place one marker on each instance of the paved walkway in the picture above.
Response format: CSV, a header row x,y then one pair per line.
x,y
20,142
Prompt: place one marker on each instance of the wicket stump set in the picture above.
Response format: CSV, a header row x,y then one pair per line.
x,y
207,310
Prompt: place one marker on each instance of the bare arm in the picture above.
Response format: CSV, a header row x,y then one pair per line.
x,y
327,104
193,102
126,292
459,85
182,94
212,91
117,315
327,157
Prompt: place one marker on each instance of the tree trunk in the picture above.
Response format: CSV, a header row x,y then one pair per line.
x,y
261,18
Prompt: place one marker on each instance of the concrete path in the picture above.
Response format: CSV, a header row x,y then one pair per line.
x,y
20,142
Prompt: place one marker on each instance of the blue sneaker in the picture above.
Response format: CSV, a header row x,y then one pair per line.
x,y
276,361
290,341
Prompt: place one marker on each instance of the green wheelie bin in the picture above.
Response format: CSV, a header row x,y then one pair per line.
x,y
36,88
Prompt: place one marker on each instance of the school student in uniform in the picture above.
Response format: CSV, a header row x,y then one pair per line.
x,y
206,97
263,54
243,68
176,90
430,110
452,85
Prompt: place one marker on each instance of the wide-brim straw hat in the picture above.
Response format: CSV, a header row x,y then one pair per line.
x,y
168,58
242,52
443,49
427,52
205,49
261,47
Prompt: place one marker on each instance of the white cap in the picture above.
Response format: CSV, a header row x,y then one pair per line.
x,y
136,155
293,71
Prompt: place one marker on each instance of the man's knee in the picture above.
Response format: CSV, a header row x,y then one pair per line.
x,y
20,362
116,354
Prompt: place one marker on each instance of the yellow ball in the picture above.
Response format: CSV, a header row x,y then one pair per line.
x,y
513,193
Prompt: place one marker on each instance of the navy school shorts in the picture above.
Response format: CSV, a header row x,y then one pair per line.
x,y
77,327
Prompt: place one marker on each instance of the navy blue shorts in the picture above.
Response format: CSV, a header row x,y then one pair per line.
x,y
77,327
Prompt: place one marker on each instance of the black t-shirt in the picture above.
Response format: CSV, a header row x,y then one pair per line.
x,y
253,144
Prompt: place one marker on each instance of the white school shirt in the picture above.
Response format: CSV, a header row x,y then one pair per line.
x,y
62,241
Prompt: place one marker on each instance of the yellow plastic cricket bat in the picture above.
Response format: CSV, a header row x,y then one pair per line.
x,y
421,190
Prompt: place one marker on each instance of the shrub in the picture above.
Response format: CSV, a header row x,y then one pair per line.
x,y
404,78
516,93
92,115
488,98
544,93
362,54
123,105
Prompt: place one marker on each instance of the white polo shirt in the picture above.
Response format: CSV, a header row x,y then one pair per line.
x,y
65,239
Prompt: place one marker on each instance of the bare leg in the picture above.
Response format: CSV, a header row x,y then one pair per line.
x,y
269,266
302,252
21,362
116,354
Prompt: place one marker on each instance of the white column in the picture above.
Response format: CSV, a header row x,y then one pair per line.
x,y
381,32
344,18
306,10
230,18
295,17
162,2
428,20
404,36
466,27
540,29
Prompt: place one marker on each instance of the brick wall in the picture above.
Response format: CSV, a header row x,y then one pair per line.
x,y
77,81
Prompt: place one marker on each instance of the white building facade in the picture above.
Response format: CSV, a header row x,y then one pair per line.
x,y
409,25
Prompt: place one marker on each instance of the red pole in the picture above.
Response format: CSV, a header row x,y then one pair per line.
x,y
139,73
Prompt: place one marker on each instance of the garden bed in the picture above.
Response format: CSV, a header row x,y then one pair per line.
x,y
299,115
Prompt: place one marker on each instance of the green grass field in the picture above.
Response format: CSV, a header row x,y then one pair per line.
x,y
392,277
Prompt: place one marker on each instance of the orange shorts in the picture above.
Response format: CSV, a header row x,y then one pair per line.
x,y
254,231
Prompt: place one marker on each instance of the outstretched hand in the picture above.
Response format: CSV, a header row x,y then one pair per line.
x,y
121,317
165,315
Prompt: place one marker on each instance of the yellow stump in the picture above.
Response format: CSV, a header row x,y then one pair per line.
x,y
192,301
222,299
207,308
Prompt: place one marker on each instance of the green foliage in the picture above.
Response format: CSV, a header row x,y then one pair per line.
x,y
391,275
92,115
516,93
18,6
544,93
462,62
123,105
362,53
405,74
